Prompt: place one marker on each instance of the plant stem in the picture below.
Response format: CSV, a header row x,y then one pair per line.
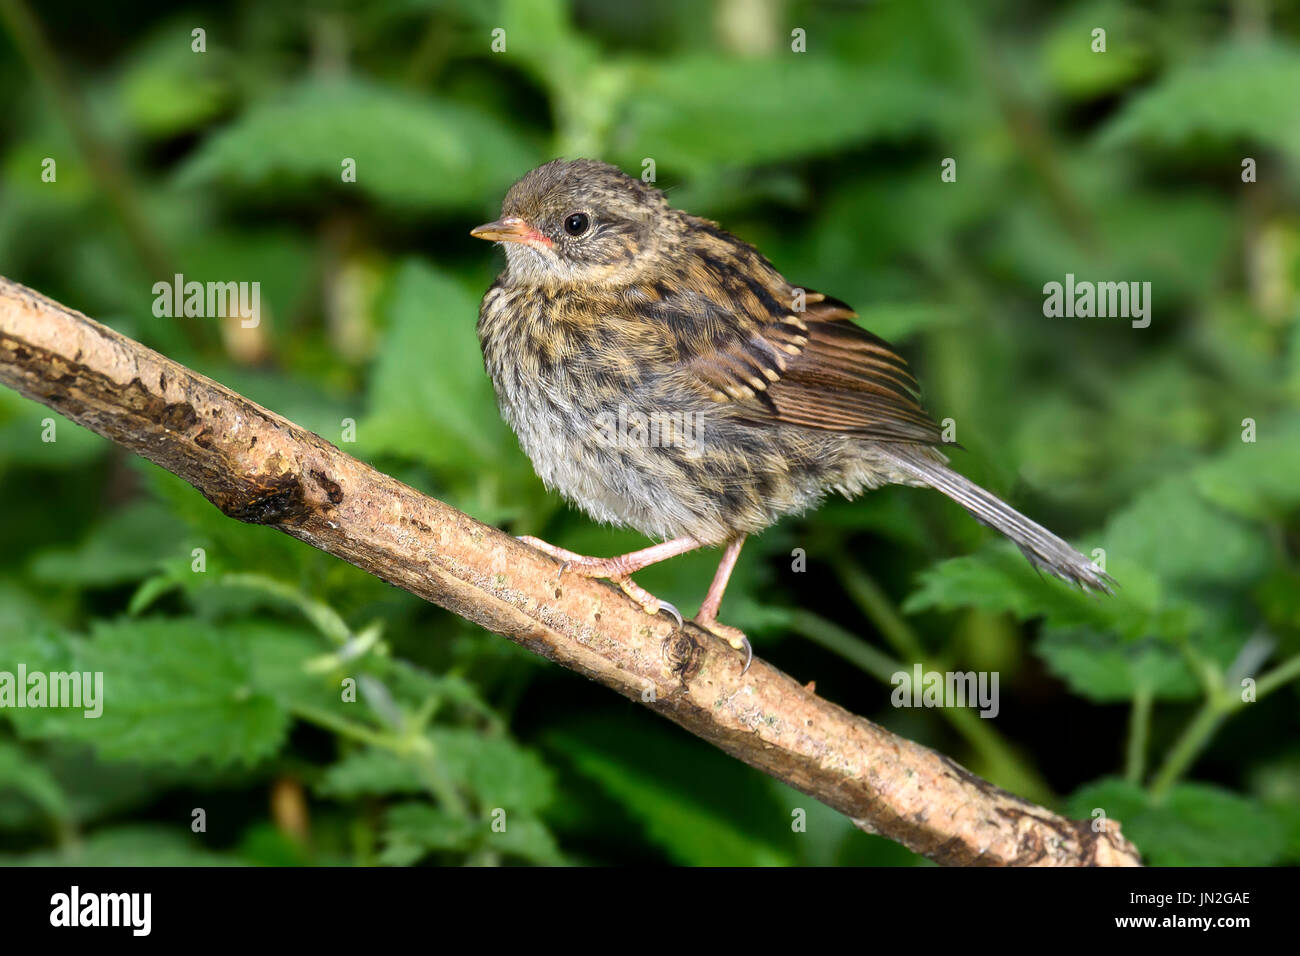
x,y
1287,671
349,729
847,645
1139,732
1219,705
1188,747
419,748
867,594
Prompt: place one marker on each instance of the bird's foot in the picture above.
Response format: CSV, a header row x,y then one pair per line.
x,y
609,569
732,635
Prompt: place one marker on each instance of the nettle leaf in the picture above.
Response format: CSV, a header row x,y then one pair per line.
x,y
412,682
1246,91
228,545
278,654
998,578
1195,825
498,771
128,846
701,110
412,152
166,89
1172,530
1068,60
32,781
544,41
1107,669
176,690
1256,479
370,772
526,837
431,401
416,829
126,546
45,649
495,770
429,397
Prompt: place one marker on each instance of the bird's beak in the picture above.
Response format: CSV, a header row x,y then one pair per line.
x,y
509,229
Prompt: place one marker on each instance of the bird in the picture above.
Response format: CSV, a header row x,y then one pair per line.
x,y
662,375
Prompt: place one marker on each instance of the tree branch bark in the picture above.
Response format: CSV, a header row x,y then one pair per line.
x,y
259,468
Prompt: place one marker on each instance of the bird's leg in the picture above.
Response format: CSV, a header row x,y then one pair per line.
x,y
620,568
708,616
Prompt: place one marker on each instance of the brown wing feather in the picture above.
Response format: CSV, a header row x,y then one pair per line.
x,y
847,379
729,316
819,370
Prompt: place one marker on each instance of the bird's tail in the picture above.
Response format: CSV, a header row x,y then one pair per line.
x,y
1042,548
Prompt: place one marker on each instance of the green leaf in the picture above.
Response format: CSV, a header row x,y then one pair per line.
x,y
1256,479
430,398
1195,825
23,775
128,846
1244,91
126,546
229,545
701,110
178,691
526,837
415,829
998,578
411,152
167,89
1173,531
370,772
1107,669
1071,64
498,771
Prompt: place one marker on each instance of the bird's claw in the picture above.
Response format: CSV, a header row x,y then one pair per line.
x,y
749,654
733,636
672,609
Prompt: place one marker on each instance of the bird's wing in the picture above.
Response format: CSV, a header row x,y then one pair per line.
x,y
814,368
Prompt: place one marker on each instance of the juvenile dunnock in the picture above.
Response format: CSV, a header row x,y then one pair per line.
x,y
662,375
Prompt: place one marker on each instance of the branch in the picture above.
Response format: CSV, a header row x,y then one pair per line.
x,y
258,468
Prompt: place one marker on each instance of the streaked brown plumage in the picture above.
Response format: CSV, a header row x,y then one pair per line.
x,y
766,396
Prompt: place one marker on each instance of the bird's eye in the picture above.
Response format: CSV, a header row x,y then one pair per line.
x,y
576,223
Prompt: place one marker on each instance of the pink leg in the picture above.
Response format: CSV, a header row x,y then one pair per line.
x,y
713,600
618,569
708,616
620,565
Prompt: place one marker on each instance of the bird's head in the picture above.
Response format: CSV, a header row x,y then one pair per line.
x,y
577,221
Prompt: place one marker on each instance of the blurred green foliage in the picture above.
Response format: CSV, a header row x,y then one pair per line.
x,y
223,665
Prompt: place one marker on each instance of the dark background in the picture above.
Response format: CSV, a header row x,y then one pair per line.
x,y
1123,165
